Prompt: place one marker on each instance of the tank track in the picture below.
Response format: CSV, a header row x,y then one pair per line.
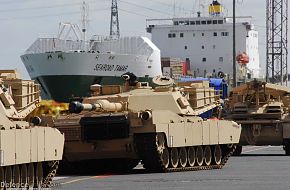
x,y
47,180
147,150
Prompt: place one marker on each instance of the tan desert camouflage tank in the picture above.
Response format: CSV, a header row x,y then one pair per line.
x,y
29,154
263,111
120,125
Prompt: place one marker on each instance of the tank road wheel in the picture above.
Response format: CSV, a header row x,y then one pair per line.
x,y
191,156
238,150
39,175
199,156
23,176
30,176
8,177
207,155
16,176
165,157
217,155
2,178
162,149
174,157
182,157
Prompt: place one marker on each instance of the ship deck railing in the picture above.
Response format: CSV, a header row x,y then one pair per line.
x,y
43,45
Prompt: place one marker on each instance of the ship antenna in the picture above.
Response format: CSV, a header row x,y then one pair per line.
x,y
114,27
174,9
202,8
85,15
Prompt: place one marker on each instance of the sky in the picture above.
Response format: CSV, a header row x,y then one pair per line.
x,y
23,21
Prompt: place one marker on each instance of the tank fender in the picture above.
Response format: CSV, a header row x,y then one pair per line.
x,y
229,132
200,133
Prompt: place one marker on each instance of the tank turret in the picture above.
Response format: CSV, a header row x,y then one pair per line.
x,y
29,153
165,127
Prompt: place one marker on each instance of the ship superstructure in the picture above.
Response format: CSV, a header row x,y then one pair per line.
x,y
206,42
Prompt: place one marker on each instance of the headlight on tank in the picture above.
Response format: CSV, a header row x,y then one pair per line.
x,y
145,115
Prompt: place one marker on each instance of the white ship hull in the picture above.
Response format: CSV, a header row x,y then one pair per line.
x,y
63,74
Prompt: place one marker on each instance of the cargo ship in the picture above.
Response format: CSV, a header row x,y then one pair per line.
x,y
66,68
206,42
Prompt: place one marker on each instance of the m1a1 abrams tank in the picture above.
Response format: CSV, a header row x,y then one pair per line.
x,y
263,111
29,154
120,125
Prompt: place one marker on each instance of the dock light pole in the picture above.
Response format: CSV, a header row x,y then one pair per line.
x,y
234,45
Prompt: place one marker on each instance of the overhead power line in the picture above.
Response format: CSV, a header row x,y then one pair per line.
x,y
37,8
170,5
40,7
143,7
134,13
49,15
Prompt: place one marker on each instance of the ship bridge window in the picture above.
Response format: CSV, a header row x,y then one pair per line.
x,y
220,21
203,22
181,22
181,35
215,34
203,59
225,33
171,35
175,22
208,22
192,22
186,22
214,21
197,22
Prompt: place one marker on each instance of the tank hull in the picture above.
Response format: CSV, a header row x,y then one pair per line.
x,y
111,144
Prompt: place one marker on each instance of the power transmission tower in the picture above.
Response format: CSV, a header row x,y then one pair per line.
x,y
277,30
114,28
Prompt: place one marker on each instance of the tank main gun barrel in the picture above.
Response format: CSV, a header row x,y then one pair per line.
x,y
100,105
